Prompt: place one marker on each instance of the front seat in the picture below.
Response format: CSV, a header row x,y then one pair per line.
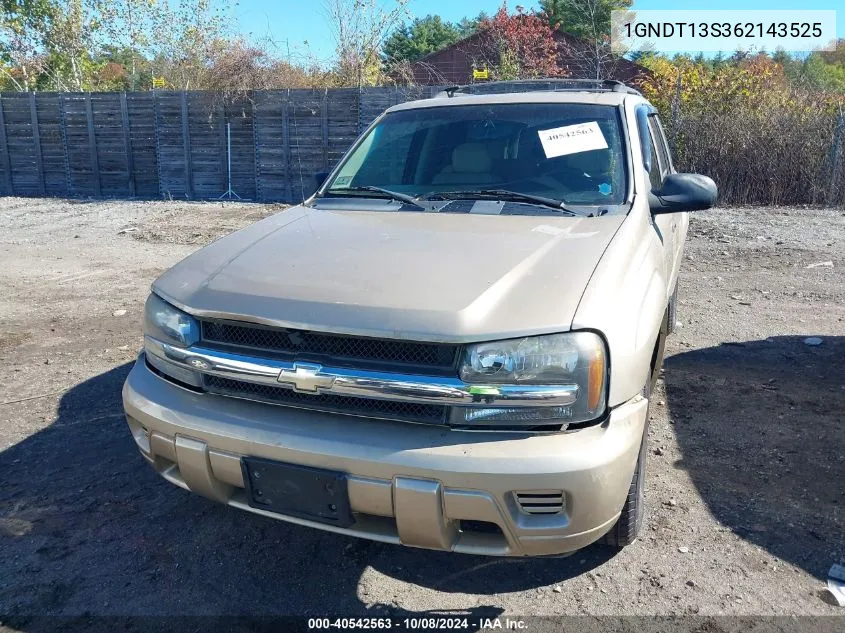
x,y
471,165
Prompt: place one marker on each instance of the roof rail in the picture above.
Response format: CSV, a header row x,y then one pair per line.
x,y
532,85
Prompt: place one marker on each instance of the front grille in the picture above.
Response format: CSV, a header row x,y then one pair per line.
x,y
331,348
365,407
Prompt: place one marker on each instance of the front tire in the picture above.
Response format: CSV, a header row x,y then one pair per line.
x,y
630,522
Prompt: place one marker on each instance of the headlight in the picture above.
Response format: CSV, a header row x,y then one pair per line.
x,y
164,322
574,358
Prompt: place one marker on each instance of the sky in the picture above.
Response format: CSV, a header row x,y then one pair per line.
x,y
299,27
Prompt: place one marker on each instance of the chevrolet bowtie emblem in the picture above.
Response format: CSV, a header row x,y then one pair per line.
x,y
306,378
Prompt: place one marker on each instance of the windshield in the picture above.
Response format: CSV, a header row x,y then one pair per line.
x,y
569,152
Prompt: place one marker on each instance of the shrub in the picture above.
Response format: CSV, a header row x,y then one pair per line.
x,y
743,123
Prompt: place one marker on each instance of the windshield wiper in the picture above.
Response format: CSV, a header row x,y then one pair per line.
x,y
503,194
385,193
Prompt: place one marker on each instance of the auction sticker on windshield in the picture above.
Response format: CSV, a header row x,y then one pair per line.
x,y
572,139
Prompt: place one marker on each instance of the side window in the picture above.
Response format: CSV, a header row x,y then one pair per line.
x,y
655,174
650,153
659,143
665,143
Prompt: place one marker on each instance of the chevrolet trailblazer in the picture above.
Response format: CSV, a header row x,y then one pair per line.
x,y
451,345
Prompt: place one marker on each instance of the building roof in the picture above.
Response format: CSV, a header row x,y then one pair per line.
x,y
454,64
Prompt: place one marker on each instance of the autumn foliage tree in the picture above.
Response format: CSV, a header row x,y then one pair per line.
x,y
521,45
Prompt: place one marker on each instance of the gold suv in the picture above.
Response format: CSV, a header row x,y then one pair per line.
x,y
451,345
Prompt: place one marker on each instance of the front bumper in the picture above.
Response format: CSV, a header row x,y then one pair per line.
x,y
418,485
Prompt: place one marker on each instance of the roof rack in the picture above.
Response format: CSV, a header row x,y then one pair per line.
x,y
532,85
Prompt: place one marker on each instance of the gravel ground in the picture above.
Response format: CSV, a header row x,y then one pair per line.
x,y
746,445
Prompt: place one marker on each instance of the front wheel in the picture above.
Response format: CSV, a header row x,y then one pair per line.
x,y
630,522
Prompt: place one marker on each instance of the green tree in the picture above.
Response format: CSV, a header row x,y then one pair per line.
x,y
470,26
126,24
582,18
588,20
421,37
136,75
817,71
186,37
820,75
836,56
70,42
22,25
49,43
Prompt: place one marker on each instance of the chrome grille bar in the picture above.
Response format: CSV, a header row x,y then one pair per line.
x,y
315,379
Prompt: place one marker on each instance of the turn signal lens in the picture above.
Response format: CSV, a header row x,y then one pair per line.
x,y
595,382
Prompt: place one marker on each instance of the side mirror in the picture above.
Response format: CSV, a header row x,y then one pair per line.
x,y
683,192
320,177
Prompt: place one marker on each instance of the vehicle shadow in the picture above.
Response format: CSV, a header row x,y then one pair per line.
x,y
88,529
760,428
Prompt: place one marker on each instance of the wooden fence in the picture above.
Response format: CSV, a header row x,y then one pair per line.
x,y
173,144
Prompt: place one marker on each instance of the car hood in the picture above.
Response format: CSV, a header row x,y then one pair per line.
x,y
424,276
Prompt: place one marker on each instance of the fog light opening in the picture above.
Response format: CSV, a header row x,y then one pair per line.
x,y
479,527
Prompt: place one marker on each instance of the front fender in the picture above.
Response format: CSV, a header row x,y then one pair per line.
x,y
626,300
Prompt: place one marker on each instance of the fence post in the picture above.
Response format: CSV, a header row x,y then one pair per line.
x,y
36,143
254,96
158,144
63,130
6,156
324,122
127,142
186,143
222,141
288,157
360,99
92,146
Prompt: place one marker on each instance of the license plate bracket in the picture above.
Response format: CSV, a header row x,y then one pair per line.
x,y
309,493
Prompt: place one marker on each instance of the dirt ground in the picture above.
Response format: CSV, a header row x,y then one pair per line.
x,y
746,445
